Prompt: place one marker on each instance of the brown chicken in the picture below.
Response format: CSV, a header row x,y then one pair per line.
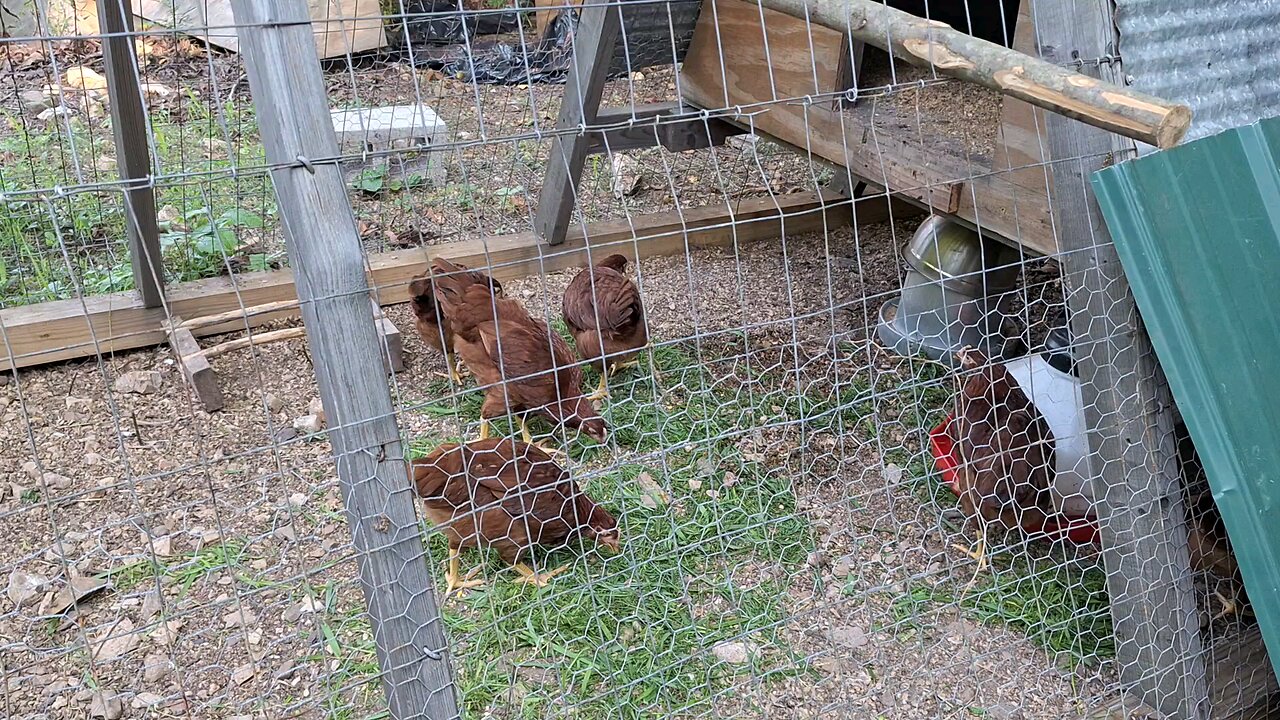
x,y
433,325
527,367
1005,449
1207,540
603,310
509,496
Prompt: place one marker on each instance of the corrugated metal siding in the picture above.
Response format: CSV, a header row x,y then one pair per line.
x,y
1197,229
1222,57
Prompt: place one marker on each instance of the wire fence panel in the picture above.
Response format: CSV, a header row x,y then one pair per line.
x,y
836,461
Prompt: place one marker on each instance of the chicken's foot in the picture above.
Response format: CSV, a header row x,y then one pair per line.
x,y
602,391
979,553
454,581
527,437
455,366
484,429
529,577
1229,606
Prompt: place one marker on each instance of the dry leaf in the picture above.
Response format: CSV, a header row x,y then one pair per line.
x,y
652,495
83,78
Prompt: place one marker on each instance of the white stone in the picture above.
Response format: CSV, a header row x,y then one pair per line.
x,y
379,129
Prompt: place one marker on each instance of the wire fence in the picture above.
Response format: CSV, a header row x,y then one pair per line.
x,y
190,531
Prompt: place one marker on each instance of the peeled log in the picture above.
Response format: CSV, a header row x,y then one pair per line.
x,y
924,42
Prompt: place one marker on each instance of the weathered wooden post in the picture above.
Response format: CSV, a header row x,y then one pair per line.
x,y
328,265
133,155
1128,406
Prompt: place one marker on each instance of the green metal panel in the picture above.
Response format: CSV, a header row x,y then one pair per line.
x,y
1197,229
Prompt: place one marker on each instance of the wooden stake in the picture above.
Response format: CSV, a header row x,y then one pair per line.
x,y
252,341
195,366
931,43
228,316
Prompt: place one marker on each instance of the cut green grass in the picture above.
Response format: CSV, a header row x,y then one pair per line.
x,y
629,636
184,570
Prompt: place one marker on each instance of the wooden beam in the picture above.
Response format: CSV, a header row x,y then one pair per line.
x,y
195,367
673,125
1105,105
69,329
253,340
323,244
239,314
133,154
1133,453
594,40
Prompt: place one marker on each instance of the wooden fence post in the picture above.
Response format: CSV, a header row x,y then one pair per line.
x,y
1128,406
593,44
133,155
289,93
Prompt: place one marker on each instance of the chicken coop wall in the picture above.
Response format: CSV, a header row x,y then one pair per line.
x,y
789,544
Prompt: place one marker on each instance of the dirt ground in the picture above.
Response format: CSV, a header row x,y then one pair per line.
x,y
231,585
100,481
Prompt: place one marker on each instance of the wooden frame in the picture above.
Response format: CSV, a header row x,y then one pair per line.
x,y
194,361
1004,195
68,329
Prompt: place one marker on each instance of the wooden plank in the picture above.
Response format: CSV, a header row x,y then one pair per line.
x,y
253,340
673,125
594,40
359,29
129,129
325,253
802,59
1108,105
1159,655
66,329
195,367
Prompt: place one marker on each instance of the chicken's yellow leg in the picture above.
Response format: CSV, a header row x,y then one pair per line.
x,y
484,429
978,553
529,577
1228,606
454,581
601,392
528,438
455,367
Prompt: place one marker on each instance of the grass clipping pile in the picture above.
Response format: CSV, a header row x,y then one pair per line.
x,y
785,547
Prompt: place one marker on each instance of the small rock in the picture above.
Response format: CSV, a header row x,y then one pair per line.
x,y
298,499
138,382
695,484
91,458
730,480
83,78
163,546
24,588
734,653
167,632
155,668
214,146
116,641
308,425
106,704
816,559
316,407
848,636
54,112
239,618
146,700
242,674
151,605
892,474
843,567
286,671
54,481
829,665
308,605
152,88
274,404
34,101
285,434
626,176
32,469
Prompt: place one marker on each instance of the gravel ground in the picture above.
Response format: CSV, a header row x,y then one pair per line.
x,y
116,480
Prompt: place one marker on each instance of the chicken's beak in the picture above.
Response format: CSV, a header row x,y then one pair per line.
x,y
612,542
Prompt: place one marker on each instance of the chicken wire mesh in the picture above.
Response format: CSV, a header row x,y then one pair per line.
x,y
788,544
